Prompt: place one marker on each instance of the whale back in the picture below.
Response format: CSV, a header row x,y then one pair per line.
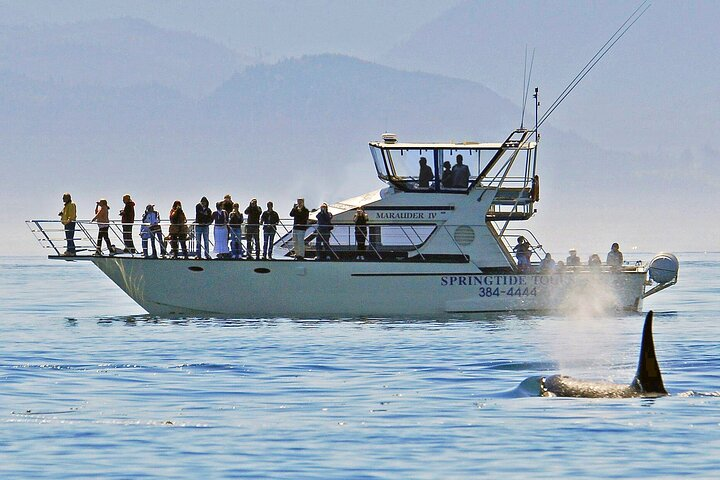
x,y
647,382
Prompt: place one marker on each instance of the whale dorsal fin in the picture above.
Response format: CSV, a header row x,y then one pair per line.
x,y
648,378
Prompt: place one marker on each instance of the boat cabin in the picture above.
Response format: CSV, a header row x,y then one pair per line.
x,y
457,167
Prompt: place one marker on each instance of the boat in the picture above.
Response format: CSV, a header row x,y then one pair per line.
x,y
438,244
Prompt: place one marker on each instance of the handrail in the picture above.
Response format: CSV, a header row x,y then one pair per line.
x,y
388,241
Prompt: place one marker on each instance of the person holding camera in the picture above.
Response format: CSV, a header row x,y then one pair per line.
x,y
300,216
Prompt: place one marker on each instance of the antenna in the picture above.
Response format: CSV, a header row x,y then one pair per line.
x,y
634,17
526,84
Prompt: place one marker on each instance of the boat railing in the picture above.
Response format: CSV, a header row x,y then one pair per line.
x,y
386,241
509,238
382,241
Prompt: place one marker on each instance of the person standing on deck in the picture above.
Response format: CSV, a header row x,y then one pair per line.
x,y
324,229
68,217
151,230
300,216
178,230
203,219
269,220
220,231
102,217
252,228
235,221
360,219
127,218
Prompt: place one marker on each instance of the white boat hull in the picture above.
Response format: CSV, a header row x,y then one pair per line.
x,y
307,289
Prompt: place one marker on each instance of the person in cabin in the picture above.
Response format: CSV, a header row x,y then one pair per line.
x,y
203,219
573,260
220,231
360,219
460,173
235,221
324,229
127,218
447,176
102,218
426,174
594,260
178,230
615,256
68,217
252,228
269,221
300,215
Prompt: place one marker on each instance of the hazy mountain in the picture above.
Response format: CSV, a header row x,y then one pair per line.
x,y
119,52
301,127
661,70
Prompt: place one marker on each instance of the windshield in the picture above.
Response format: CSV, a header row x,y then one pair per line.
x,y
424,170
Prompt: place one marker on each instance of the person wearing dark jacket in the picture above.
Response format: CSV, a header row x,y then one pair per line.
x,y
227,204
178,230
324,229
252,228
203,219
269,220
300,216
235,221
361,220
426,174
127,217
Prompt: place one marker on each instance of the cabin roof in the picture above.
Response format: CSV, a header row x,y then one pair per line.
x,y
447,146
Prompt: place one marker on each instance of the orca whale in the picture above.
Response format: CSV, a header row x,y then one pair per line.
x,y
647,382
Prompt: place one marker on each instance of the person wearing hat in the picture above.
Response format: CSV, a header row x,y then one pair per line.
x,y
573,260
68,217
252,228
102,218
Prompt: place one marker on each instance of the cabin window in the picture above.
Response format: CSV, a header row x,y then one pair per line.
x,y
428,170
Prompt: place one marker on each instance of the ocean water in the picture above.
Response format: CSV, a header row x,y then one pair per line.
x,y
90,387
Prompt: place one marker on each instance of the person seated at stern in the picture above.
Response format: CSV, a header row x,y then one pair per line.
x,y
615,256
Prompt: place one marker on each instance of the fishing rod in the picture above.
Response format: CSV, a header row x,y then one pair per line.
x,y
619,33
526,83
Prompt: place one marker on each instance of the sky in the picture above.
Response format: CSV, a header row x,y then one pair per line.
x,y
654,99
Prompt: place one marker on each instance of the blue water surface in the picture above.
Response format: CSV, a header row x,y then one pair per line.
x,y
91,387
